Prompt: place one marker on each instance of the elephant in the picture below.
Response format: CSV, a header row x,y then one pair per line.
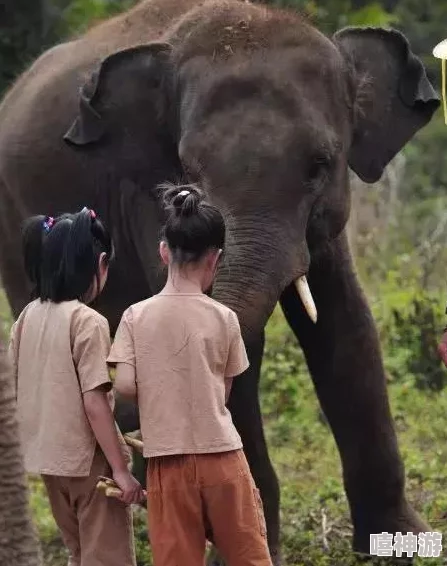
x,y
266,114
19,545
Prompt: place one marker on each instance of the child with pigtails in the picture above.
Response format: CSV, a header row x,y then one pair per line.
x,y
58,348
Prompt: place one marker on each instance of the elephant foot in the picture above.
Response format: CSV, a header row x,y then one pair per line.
x,y
404,520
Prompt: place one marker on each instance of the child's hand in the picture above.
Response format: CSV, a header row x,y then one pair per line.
x,y
132,490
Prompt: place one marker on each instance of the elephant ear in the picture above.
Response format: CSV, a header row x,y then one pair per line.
x,y
394,98
136,72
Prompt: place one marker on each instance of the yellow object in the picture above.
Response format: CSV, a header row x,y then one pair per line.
x,y
108,489
134,443
440,52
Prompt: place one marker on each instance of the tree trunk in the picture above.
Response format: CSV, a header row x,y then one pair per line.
x,y
18,541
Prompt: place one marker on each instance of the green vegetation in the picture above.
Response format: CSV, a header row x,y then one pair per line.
x,y
316,525
403,266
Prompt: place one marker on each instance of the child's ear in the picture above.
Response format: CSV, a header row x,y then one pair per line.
x,y
103,264
164,252
214,258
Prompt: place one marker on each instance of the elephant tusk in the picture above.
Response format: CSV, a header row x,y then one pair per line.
x,y
306,296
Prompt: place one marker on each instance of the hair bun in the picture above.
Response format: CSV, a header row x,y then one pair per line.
x,y
182,200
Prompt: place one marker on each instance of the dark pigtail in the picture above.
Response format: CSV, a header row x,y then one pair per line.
x,y
80,257
87,240
32,241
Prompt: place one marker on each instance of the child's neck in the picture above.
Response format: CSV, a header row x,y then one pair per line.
x,y
183,281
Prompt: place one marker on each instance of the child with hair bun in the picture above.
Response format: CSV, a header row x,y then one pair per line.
x,y
59,347
177,354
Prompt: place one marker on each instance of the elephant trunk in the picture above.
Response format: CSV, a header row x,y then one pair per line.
x,y
259,263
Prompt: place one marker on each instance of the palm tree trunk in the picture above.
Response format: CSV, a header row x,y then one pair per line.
x,y
18,541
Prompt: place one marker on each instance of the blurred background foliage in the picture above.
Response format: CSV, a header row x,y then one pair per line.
x,y
397,231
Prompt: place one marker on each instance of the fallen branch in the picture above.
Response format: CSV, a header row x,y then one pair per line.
x,y
325,530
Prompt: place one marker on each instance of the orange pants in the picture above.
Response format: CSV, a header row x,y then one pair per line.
x,y
97,530
194,497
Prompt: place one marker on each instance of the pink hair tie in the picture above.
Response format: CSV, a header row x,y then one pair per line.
x,y
90,211
48,223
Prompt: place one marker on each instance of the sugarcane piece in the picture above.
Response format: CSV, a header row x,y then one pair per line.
x,y
109,481
110,487
113,492
109,491
134,443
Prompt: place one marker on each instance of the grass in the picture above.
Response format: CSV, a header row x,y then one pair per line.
x,y
316,528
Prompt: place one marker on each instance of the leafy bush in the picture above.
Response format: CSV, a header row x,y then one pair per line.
x,y
81,14
416,333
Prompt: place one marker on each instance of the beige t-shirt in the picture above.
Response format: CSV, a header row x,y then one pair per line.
x,y
59,352
182,346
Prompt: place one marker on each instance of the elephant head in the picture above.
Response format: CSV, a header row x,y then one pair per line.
x,y
268,132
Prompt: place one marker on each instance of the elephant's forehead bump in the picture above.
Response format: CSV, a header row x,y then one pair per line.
x,y
223,29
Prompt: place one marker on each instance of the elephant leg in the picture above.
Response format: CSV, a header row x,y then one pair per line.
x,y
13,276
246,412
343,354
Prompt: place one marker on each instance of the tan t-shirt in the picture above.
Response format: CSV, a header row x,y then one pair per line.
x,y
59,352
182,346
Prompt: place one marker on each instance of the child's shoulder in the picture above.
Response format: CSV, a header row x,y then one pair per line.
x,y
84,314
136,309
220,308
26,308
20,319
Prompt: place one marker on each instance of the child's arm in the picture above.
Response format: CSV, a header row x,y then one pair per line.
x,y
91,345
125,383
122,356
237,362
101,420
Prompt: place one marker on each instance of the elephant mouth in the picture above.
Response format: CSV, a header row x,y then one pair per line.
x,y
302,287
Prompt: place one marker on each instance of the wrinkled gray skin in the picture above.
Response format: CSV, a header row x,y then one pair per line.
x,y
266,114
18,540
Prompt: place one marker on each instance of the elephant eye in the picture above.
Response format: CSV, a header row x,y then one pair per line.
x,y
319,167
